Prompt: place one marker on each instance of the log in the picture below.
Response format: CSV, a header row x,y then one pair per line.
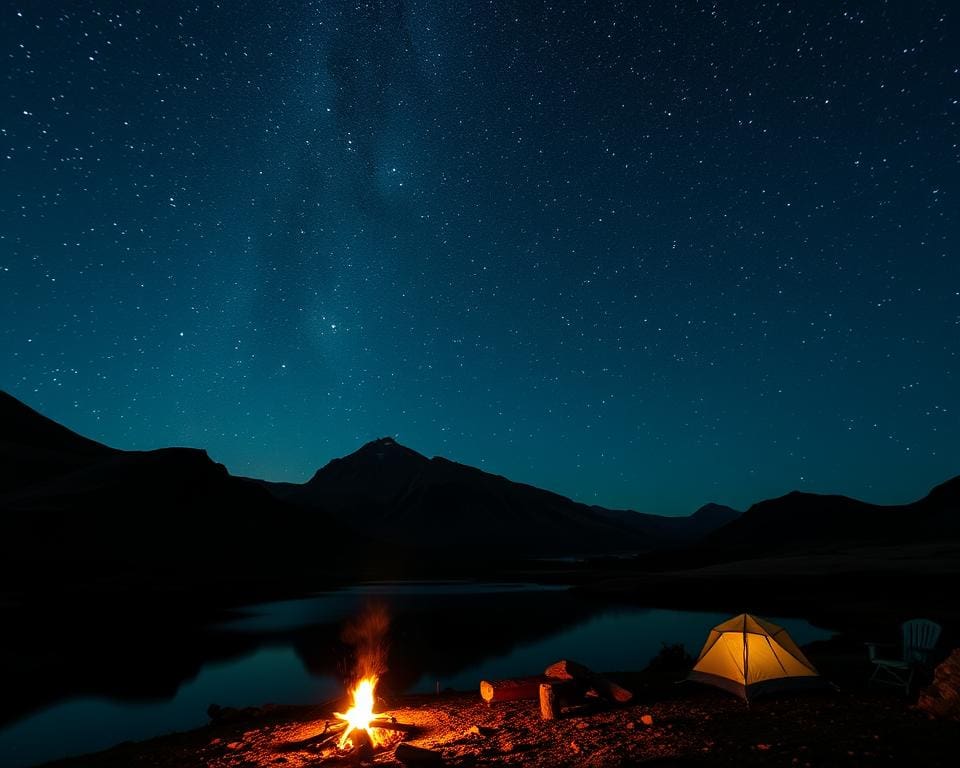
x,y
411,755
556,694
549,701
392,725
362,746
571,670
511,689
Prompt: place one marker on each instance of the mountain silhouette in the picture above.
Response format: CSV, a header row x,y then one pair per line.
x,y
802,522
405,497
34,448
66,499
70,505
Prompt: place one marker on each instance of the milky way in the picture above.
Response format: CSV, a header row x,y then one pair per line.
x,y
644,254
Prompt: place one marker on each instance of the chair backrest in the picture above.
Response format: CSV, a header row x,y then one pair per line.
x,y
919,638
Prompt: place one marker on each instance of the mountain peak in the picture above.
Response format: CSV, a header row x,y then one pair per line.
x,y
712,510
382,468
384,447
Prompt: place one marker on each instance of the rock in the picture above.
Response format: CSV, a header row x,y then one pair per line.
x,y
482,730
235,745
411,755
588,680
942,697
646,719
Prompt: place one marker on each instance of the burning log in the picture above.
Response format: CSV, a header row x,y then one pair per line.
x,y
511,689
328,734
392,725
587,678
416,756
361,720
363,745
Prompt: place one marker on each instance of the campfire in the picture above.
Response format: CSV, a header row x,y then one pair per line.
x,y
361,727
360,731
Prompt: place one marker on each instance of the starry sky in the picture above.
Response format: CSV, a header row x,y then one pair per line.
x,y
646,254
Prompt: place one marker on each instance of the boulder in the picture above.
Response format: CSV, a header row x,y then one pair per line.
x,y
942,697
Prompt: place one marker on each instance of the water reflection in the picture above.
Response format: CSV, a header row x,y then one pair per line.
x,y
324,607
91,724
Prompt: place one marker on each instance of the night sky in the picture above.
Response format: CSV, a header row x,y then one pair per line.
x,y
646,254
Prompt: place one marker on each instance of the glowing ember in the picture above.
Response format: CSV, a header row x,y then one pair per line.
x,y
359,716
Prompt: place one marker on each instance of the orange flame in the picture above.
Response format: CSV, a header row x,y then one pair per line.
x,y
361,714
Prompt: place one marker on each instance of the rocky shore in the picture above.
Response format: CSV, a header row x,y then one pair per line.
x,y
678,725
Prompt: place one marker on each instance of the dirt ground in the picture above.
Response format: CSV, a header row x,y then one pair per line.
x,y
686,725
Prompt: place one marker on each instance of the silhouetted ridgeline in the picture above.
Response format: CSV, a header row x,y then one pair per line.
x,y
807,522
74,510
403,496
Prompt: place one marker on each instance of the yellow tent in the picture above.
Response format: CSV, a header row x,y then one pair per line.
x,y
747,656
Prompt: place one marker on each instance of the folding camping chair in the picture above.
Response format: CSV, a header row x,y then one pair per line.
x,y
919,639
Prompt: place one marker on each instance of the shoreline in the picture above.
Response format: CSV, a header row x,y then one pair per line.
x,y
825,590
676,725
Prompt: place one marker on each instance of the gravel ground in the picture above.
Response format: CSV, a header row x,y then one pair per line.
x,y
684,725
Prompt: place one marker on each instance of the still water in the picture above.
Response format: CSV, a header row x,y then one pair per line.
x,y
444,635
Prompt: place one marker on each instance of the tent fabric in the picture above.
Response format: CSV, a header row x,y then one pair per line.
x,y
747,656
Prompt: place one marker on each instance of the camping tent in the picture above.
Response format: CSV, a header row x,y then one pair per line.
x,y
747,656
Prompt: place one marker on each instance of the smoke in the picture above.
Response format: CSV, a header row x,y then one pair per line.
x,y
367,635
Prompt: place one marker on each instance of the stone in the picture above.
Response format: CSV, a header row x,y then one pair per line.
x,y
941,698
417,756
646,719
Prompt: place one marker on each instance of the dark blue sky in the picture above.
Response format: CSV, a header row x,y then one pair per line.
x,y
644,254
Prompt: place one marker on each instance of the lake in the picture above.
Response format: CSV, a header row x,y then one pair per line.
x,y
443,635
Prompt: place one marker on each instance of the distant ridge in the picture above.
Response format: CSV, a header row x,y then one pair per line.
x,y
34,448
384,491
803,522
64,497
405,497
74,508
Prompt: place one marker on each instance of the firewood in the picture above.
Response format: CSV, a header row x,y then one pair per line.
x,y
549,702
571,670
330,732
416,756
362,746
511,689
392,725
556,694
